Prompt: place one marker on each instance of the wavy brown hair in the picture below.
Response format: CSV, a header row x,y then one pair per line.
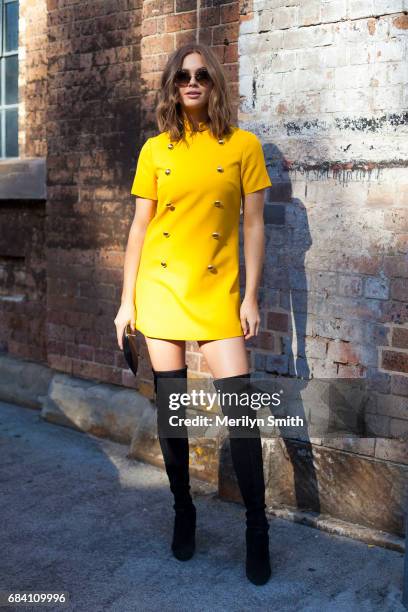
x,y
169,112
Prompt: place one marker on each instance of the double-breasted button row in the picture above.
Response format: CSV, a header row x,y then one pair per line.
x,y
217,204
210,267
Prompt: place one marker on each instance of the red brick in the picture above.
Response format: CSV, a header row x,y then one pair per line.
x,y
394,360
343,352
230,13
399,337
277,321
396,266
399,289
181,22
227,32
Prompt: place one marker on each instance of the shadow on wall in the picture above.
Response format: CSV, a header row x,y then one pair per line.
x,y
325,300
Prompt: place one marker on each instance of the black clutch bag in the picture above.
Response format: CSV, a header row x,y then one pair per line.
x,y
130,350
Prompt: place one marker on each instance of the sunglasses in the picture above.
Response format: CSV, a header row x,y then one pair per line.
x,y
182,77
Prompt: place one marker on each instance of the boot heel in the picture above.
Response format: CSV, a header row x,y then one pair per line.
x,y
183,544
258,567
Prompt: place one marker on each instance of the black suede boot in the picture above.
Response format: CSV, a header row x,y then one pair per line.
x,y
176,459
246,454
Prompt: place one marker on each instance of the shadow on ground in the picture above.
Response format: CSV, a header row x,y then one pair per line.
x,y
80,517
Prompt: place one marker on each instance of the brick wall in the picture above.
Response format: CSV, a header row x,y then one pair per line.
x,y
100,112
324,86
22,256
321,83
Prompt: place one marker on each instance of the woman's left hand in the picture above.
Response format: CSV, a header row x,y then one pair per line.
x,y
250,319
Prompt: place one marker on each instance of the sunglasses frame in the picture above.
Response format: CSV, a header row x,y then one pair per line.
x,y
179,82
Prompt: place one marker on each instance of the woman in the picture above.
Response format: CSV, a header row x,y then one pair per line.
x,y
183,251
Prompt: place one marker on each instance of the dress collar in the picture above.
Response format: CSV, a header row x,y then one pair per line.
x,y
202,126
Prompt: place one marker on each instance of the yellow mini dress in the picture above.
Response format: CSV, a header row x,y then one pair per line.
x,y
187,285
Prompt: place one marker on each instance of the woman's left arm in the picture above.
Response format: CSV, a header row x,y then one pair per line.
x,y
254,247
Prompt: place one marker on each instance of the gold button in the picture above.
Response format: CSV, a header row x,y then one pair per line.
x,y
167,171
220,169
163,263
169,204
215,234
221,140
166,234
210,267
170,146
218,203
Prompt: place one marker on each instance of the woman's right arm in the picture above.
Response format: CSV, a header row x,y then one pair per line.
x,y
144,213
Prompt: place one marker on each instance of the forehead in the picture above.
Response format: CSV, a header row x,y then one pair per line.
x,y
193,60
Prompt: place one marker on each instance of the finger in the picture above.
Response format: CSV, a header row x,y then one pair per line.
x,y
251,329
257,323
120,335
244,325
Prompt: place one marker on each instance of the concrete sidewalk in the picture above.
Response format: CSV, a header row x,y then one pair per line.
x,y
78,516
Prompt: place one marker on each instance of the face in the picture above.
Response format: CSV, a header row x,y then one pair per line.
x,y
201,90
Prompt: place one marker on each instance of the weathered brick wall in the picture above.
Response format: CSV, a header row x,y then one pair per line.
x,y
99,114
324,85
92,124
22,256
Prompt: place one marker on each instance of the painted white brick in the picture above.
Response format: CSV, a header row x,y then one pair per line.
x,y
333,10
309,80
387,98
357,31
289,83
262,5
391,51
351,77
378,75
245,86
249,26
246,65
270,83
254,45
309,12
388,6
396,73
360,8
284,17
335,55
312,36
307,58
362,53
278,61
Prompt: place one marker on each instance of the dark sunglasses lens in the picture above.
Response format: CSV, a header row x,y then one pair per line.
x,y
182,78
202,76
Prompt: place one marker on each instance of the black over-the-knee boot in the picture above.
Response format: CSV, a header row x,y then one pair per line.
x,y
246,454
176,459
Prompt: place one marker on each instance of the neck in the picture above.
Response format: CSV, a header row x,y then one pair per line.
x,y
196,117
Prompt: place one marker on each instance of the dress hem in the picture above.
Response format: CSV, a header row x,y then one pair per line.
x,y
223,337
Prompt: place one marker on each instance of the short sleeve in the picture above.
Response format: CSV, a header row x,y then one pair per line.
x,y
145,180
254,174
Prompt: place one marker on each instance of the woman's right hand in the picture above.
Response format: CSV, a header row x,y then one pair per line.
x,y
126,314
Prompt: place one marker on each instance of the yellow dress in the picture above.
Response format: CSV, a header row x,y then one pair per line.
x,y
187,285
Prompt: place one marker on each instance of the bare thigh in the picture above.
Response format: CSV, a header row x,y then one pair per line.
x,y
225,357
166,354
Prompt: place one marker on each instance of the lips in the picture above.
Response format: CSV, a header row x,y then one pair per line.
x,y
192,95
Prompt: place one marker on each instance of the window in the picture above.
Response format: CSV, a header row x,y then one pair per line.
x,y
9,79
